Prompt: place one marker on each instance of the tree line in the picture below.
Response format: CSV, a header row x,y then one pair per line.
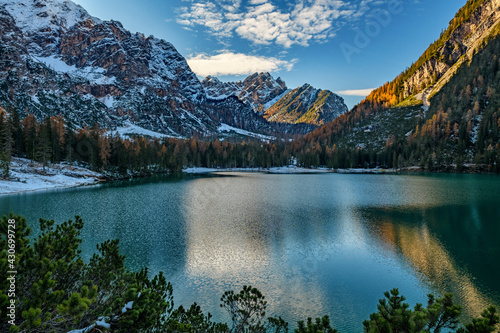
x,y
53,140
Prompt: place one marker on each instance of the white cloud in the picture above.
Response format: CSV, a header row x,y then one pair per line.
x,y
229,63
356,92
262,22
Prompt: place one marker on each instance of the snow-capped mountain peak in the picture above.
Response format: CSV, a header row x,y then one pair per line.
x,y
35,15
255,91
59,60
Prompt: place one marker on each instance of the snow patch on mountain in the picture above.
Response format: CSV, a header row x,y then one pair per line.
x,y
109,101
130,130
36,15
95,75
275,99
255,91
226,128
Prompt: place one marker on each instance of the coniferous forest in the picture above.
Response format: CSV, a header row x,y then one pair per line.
x,y
52,141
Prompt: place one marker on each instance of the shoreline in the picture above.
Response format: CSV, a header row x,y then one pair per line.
x,y
27,176
288,170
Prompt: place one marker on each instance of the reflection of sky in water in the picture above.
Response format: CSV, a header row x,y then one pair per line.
x,y
313,244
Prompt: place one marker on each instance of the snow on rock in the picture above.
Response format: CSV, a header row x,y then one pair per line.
x,y
226,128
101,322
94,74
109,101
130,130
276,99
98,70
53,14
103,73
477,126
28,176
255,91
128,306
306,104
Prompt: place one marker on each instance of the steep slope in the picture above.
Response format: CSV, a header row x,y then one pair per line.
x,y
32,87
272,99
57,59
457,128
465,33
460,130
97,63
256,90
306,105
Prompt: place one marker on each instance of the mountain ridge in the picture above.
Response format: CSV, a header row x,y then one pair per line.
x,y
255,90
306,104
278,104
58,59
471,24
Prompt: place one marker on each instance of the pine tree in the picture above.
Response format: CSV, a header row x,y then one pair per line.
x,y
4,166
43,149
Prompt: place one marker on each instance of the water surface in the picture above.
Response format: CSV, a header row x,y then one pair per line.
x,y
313,244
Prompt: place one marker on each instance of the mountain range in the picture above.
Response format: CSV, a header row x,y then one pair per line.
x,y
55,58
443,111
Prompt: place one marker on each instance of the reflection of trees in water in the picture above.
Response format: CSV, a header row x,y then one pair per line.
x,y
453,247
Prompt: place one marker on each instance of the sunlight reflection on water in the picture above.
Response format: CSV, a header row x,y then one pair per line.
x,y
313,244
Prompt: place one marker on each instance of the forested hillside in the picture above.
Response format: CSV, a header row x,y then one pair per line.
x,y
52,141
457,132
439,56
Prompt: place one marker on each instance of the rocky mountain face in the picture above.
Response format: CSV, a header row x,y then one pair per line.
x,y
96,71
449,122
459,44
57,59
32,87
308,105
272,99
256,90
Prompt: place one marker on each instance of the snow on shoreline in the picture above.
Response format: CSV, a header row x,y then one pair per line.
x,y
26,175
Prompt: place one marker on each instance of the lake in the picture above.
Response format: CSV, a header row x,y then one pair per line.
x,y
313,244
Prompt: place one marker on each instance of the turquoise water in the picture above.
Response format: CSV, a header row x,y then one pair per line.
x,y
313,244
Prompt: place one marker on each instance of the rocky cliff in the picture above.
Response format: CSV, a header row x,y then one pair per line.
x,y
71,61
256,90
55,58
306,105
271,98
465,33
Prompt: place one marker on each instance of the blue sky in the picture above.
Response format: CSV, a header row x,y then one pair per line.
x,y
347,46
